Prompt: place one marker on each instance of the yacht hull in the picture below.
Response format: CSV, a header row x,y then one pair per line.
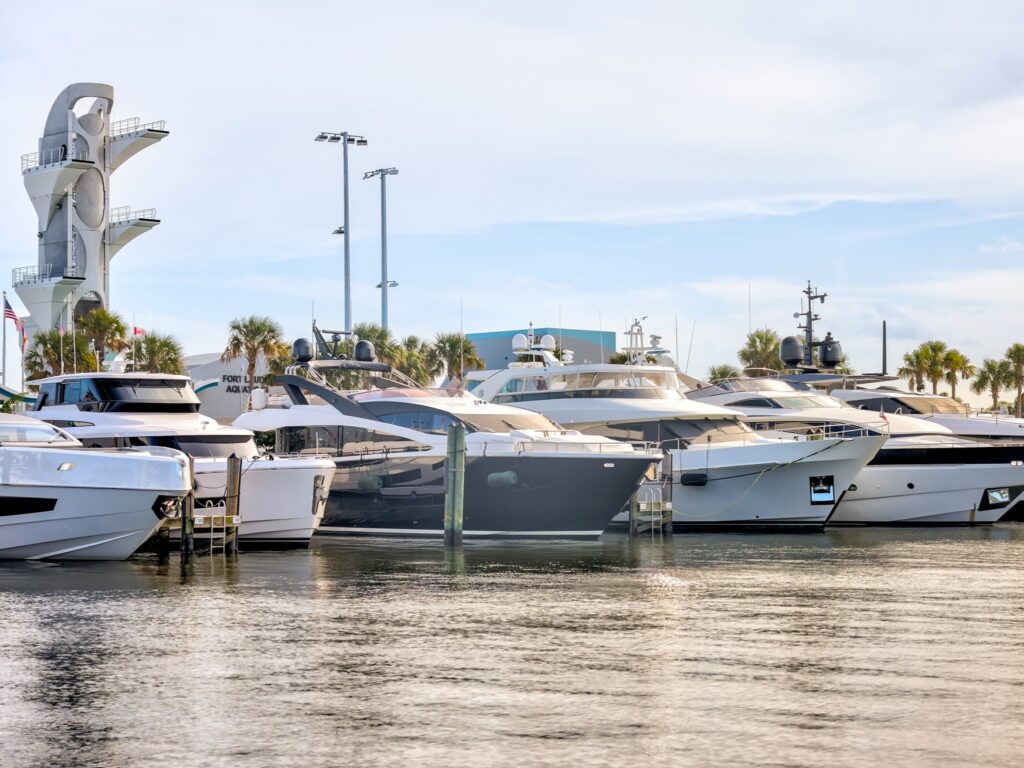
x,y
279,505
83,523
768,489
938,494
515,496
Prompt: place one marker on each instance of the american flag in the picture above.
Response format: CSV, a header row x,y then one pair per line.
x,y
10,313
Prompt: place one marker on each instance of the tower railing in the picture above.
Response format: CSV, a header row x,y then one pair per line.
x,y
125,213
37,274
133,125
53,156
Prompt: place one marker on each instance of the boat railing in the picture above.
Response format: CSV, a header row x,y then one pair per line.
x,y
134,125
55,156
566,446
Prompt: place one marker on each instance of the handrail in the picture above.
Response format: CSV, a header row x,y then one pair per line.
x,y
125,213
54,156
134,125
36,274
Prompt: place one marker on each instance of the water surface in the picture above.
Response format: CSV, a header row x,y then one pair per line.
x,y
895,647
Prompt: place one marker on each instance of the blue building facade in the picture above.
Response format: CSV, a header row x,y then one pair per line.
x,y
495,347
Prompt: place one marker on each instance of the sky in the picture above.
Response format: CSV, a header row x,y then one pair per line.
x,y
573,163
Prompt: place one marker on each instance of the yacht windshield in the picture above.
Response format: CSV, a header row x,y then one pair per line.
x,y
932,404
25,432
626,382
757,385
147,390
506,422
799,402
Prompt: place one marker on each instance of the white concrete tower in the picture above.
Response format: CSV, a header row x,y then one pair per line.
x,y
68,180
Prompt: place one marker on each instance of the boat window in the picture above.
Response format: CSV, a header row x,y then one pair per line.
x,y
932,404
506,422
433,422
316,439
71,392
47,395
147,390
358,440
885,404
753,402
799,402
22,432
512,385
562,381
757,385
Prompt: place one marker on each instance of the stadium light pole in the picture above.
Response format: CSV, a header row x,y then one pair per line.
x,y
345,138
384,282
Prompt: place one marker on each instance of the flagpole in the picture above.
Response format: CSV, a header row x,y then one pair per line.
x,y
3,370
60,338
74,345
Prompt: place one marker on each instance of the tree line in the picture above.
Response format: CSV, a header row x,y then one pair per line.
x,y
932,362
84,347
101,332
451,354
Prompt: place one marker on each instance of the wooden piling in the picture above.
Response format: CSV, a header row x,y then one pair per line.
x,y
232,498
455,482
188,514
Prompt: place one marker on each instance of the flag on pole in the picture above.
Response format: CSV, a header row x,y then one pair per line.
x,y
9,313
63,331
136,331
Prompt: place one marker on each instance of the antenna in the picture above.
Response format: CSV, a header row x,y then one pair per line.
x,y
885,351
809,318
690,349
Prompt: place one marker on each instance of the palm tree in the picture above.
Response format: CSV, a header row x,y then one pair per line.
x,y
615,358
1015,357
413,358
157,353
761,350
454,354
992,377
249,337
43,357
279,360
723,371
106,330
913,369
384,344
933,355
956,366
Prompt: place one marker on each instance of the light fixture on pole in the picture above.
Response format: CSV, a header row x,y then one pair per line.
x,y
345,139
384,282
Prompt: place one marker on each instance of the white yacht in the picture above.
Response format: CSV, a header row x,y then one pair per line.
x,y
923,475
525,476
724,473
61,501
281,501
943,410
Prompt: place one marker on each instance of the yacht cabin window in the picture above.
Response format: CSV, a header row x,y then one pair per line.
x,y
675,433
633,383
334,440
20,432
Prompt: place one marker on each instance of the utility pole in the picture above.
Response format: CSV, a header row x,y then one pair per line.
x,y
345,138
383,173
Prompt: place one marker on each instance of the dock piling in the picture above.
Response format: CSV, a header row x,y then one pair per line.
x,y
188,515
232,495
455,481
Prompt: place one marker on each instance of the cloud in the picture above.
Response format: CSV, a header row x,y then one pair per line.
x,y
1001,246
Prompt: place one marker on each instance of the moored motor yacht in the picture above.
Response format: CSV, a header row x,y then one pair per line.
x,y
724,473
61,501
923,475
525,476
281,501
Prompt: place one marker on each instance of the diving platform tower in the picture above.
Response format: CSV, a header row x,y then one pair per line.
x,y
68,181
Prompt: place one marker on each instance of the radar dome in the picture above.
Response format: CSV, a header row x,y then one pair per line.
x,y
547,341
791,351
365,353
302,351
519,343
830,353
